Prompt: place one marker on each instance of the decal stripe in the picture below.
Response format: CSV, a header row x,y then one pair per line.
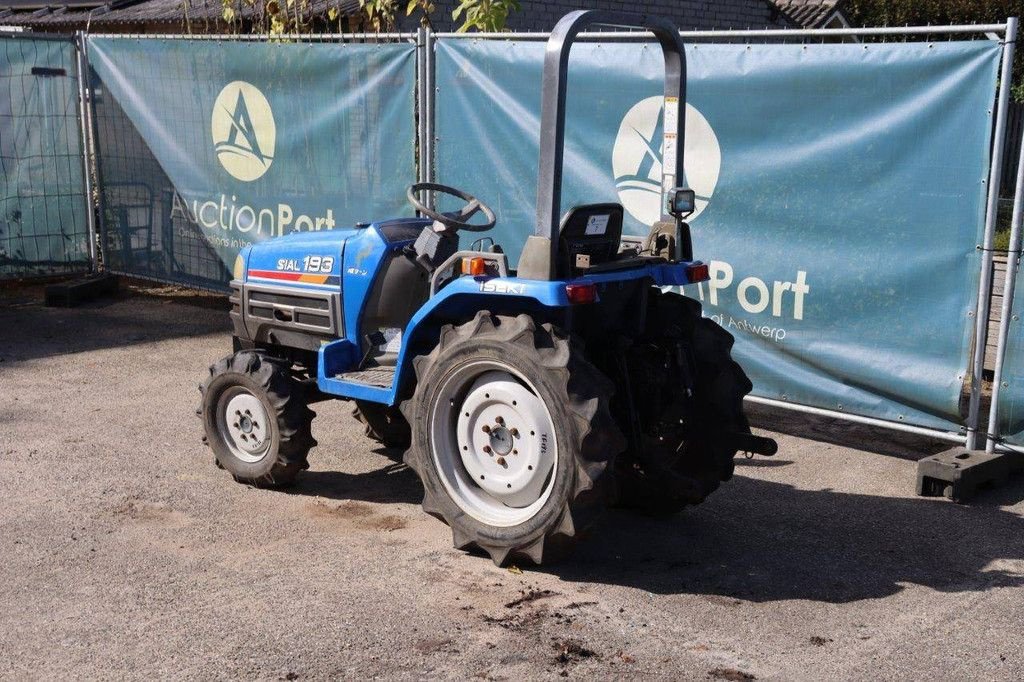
x,y
300,277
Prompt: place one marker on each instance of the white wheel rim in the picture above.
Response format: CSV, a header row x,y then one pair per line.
x,y
243,424
493,443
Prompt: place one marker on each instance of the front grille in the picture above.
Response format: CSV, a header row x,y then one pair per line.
x,y
278,308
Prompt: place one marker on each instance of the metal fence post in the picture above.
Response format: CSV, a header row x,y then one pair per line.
x,y
85,116
984,291
1013,264
430,92
421,99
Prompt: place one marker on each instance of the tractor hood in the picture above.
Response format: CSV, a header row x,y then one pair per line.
x,y
301,258
300,244
322,259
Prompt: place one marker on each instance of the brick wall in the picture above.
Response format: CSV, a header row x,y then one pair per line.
x,y
535,15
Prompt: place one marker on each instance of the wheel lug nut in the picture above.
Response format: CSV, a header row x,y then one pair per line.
x,y
501,461
486,428
487,449
501,422
515,432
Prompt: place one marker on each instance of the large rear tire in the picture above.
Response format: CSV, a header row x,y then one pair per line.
x,y
668,475
256,420
510,432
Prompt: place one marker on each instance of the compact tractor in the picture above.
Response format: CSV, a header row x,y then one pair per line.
x,y
520,395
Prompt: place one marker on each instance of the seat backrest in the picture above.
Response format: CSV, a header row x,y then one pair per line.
x,y
589,235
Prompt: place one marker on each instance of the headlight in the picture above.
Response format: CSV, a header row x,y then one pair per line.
x,y
681,202
239,270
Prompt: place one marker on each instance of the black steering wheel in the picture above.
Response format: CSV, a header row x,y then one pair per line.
x,y
456,220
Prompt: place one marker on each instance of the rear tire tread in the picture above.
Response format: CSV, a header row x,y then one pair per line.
x,y
587,393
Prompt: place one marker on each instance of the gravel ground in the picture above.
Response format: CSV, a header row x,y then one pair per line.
x,y
127,554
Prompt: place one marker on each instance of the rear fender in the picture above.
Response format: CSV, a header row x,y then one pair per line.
x,y
460,300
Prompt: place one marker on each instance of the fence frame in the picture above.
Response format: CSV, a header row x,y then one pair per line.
x,y
1006,34
90,217
332,38
425,39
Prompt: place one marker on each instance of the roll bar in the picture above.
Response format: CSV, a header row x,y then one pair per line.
x,y
540,254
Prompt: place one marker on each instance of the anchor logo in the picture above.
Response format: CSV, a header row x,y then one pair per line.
x,y
244,133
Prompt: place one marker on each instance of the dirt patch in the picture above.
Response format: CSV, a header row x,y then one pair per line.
x,y
358,514
730,674
432,646
144,511
345,510
569,651
529,597
517,622
820,641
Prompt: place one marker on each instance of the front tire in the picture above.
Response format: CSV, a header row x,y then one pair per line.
x,y
510,430
256,420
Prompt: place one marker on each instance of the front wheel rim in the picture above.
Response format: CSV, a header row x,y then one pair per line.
x,y
243,425
493,443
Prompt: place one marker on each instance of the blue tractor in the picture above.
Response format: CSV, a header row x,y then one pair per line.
x,y
519,395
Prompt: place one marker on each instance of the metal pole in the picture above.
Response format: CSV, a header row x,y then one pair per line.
x,y
308,37
984,290
421,98
1012,266
431,91
754,33
84,111
857,419
94,144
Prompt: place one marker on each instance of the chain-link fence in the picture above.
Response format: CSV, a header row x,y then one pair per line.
x,y
206,146
43,204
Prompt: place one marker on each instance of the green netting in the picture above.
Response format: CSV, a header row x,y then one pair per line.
x,y
43,227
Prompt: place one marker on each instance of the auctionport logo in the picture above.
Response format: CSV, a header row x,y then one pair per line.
x,y
244,133
637,155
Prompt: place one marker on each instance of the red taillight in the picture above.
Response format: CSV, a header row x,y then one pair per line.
x,y
581,293
698,272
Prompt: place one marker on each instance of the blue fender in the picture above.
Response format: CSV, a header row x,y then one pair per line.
x,y
460,300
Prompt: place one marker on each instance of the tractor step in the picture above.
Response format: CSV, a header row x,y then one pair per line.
x,y
960,473
373,376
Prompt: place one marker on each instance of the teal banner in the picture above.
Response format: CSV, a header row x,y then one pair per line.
x,y
43,226
841,193
207,146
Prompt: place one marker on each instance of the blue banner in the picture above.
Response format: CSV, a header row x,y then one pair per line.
x,y
841,193
207,146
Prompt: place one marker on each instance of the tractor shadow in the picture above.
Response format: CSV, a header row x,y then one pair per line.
x,y
393,483
762,541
